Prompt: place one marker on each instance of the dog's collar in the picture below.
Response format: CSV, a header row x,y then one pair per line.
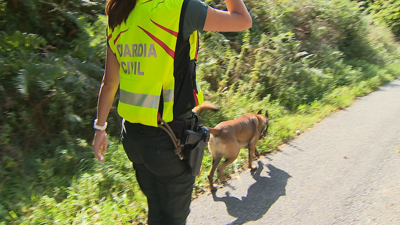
x,y
263,132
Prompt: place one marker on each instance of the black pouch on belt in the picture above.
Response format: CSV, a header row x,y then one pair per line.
x,y
195,143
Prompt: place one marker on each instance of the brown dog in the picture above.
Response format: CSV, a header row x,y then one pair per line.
x,y
228,137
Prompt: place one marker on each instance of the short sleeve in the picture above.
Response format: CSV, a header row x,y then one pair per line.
x,y
195,17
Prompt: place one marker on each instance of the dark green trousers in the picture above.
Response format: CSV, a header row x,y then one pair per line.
x,y
162,176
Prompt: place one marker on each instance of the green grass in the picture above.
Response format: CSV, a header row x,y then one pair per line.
x,y
102,193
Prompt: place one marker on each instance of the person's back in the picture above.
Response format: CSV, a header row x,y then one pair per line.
x,y
151,56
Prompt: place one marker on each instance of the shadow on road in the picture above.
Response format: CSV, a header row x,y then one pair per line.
x,y
260,196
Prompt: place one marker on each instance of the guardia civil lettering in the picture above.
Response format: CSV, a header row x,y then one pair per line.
x,y
134,50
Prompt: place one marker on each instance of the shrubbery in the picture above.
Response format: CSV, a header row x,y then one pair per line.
x,y
311,48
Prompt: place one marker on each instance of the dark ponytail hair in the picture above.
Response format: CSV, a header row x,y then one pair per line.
x,y
118,11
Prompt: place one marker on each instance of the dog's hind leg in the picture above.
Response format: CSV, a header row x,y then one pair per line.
x,y
222,167
216,160
230,149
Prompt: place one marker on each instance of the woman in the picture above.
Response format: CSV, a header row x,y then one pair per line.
x,y
151,56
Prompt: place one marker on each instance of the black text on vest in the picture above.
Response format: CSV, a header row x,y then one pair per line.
x,y
135,50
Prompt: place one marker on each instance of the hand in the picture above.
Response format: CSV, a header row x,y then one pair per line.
x,y
99,143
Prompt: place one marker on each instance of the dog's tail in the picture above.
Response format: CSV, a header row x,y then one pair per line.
x,y
204,107
214,131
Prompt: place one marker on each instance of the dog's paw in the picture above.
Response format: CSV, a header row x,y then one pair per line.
x,y
253,168
222,179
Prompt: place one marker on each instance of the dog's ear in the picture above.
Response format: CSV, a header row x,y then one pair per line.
x,y
259,112
266,113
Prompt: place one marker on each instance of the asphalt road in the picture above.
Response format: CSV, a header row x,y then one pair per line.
x,y
345,170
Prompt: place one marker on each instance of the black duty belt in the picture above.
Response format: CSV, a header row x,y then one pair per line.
x,y
179,126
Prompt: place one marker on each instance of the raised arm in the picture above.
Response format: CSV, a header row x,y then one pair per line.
x,y
237,18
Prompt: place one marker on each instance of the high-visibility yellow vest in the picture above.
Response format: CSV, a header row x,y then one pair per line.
x,y
145,48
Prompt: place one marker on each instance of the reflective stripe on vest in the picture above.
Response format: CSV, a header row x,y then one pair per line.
x,y
144,100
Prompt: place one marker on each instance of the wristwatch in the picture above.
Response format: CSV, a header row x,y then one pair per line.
x,y
97,127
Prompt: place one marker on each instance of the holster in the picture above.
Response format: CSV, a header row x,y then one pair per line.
x,y
192,137
195,144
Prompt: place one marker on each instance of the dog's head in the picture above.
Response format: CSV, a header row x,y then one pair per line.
x,y
265,120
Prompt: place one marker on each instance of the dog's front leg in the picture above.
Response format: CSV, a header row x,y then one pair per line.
x,y
256,153
252,152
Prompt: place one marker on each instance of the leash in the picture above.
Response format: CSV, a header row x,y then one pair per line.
x,y
177,142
